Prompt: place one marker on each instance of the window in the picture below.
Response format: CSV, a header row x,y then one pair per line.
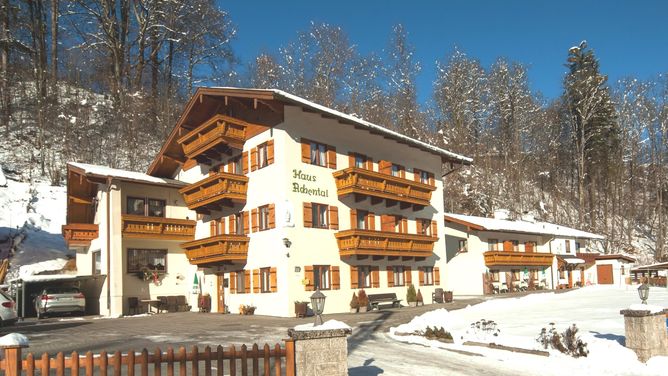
x,y
577,247
493,244
360,161
241,282
494,275
361,219
516,246
136,206
463,246
265,280
516,274
398,275
97,263
424,177
239,223
364,276
142,259
262,156
396,170
234,166
568,246
263,217
427,276
321,277
319,215
424,227
318,154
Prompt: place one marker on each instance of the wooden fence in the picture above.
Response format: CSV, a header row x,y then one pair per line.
x,y
267,361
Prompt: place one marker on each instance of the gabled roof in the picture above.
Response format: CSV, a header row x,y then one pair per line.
x,y
124,175
520,226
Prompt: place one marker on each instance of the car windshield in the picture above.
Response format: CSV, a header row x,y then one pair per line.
x,y
62,290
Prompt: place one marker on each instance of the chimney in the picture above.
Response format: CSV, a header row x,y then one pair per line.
x,y
501,214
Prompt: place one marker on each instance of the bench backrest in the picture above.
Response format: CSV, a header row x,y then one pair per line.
x,y
385,296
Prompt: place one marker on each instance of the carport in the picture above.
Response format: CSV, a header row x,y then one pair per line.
x,y
24,290
655,273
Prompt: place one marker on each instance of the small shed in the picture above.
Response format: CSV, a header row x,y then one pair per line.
x,y
614,269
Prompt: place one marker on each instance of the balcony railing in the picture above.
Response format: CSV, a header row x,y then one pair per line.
x,y
381,243
214,189
217,249
218,130
367,182
80,234
159,228
504,258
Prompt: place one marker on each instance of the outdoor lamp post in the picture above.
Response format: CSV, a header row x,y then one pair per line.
x,y
643,292
318,304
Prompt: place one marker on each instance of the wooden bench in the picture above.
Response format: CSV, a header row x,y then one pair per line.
x,y
376,299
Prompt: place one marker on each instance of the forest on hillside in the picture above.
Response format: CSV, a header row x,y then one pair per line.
x,y
102,81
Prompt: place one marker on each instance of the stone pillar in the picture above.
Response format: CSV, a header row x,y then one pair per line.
x,y
646,332
321,352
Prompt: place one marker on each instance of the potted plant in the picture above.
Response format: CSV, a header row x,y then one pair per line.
x,y
419,299
447,296
363,301
300,308
354,304
411,296
246,309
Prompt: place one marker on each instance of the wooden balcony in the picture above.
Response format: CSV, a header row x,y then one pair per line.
x,y
380,243
219,189
217,249
366,182
158,228
503,258
80,234
213,137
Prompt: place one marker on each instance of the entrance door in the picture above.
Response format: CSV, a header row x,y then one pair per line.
x,y
604,274
570,278
221,293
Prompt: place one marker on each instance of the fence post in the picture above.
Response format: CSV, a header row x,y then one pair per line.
x,y
13,356
289,357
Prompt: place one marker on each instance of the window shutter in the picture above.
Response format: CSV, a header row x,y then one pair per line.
x,y
351,159
212,226
336,278
256,280
434,228
306,151
416,174
375,276
244,163
390,277
247,281
387,223
254,159
431,179
256,227
404,226
418,226
420,276
385,167
331,157
333,218
308,275
369,164
371,221
437,276
408,275
233,282
353,277
231,224
273,280
272,216
308,215
246,223
270,152
402,172
230,167
353,219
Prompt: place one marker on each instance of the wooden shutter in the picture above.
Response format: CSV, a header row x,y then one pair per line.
x,y
420,276
369,164
333,218
385,167
390,276
402,171
246,216
256,280
353,219
353,277
371,221
273,280
254,216
306,151
212,227
375,276
233,282
434,228
230,167
404,226
244,162
272,216
416,174
437,276
351,159
231,224
431,179
331,157
408,275
528,247
507,246
418,226
270,152
336,278
308,275
308,215
387,223
254,159
247,281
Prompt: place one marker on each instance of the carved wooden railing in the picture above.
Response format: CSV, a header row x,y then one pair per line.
x,y
217,187
80,233
220,129
367,182
217,249
381,243
137,226
503,258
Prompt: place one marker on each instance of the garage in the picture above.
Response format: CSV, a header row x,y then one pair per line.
x,y
604,274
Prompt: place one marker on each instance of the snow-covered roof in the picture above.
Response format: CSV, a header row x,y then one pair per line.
x,y
506,225
371,126
656,266
104,171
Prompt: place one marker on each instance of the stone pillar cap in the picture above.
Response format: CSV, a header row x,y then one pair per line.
x,y
14,340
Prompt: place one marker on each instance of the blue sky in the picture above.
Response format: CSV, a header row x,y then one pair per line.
x,y
630,38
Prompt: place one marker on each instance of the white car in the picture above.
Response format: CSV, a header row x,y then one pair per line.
x,y
8,314
60,300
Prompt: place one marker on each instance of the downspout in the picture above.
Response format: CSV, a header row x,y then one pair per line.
x,y
109,245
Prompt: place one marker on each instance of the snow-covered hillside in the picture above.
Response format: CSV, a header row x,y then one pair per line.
x,y
32,215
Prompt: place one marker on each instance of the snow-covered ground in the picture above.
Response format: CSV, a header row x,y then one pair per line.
x,y
595,311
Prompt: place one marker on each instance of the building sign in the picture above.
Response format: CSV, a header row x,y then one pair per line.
x,y
299,184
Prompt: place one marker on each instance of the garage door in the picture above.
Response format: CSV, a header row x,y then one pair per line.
x,y
604,274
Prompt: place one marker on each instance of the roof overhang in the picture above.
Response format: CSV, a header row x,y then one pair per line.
x,y
616,257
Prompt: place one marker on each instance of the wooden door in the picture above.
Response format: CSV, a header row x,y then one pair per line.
x,y
604,273
570,278
221,293
582,277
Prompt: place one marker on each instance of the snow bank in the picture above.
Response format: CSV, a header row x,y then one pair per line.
x,y
3,179
14,339
327,325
